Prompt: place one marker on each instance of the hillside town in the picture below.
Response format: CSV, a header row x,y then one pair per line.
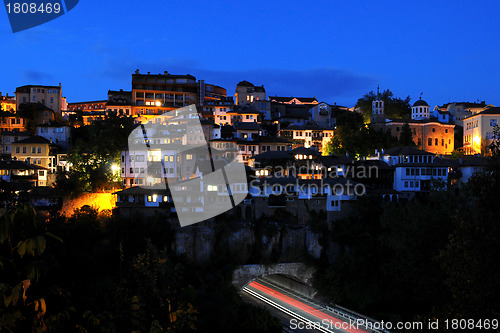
x,y
281,141
176,185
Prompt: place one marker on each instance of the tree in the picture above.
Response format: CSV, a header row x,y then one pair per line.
x,y
354,137
23,266
472,254
406,137
97,147
394,107
31,112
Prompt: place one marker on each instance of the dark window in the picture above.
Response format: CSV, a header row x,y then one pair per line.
x,y
429,141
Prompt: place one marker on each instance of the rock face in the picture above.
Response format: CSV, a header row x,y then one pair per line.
x,y
247,243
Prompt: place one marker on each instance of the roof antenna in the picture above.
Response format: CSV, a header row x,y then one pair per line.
x,y
378,89
421,95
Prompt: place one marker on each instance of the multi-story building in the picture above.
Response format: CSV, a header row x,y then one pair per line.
x,y
218,110
247,93
428,133
14,171
87,106
7,103
35,150
244,115
415,170
269,143
58,133
324,114
120,96
12,122
8,137
155,94
307,135
461,110
89,111
247,130
50,96
479,131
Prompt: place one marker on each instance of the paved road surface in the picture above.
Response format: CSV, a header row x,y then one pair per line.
x,y
287,306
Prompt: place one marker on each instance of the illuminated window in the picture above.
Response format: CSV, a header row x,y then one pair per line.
x,y
189,157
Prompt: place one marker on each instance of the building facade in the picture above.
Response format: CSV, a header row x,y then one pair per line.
x,y
479,131
50,96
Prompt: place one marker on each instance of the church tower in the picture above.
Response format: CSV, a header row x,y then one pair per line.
x,y
378,109
420,110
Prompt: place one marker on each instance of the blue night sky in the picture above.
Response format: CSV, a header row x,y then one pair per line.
x,y
334,50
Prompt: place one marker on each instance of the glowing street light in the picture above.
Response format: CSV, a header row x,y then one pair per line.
x,y
115,168
158,103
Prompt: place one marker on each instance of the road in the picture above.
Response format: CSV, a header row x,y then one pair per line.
x,y
299,314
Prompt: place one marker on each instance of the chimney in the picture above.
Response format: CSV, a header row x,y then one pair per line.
x,y
165,73
136,71
149,73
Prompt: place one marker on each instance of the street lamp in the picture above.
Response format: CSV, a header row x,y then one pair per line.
x,y
115,168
